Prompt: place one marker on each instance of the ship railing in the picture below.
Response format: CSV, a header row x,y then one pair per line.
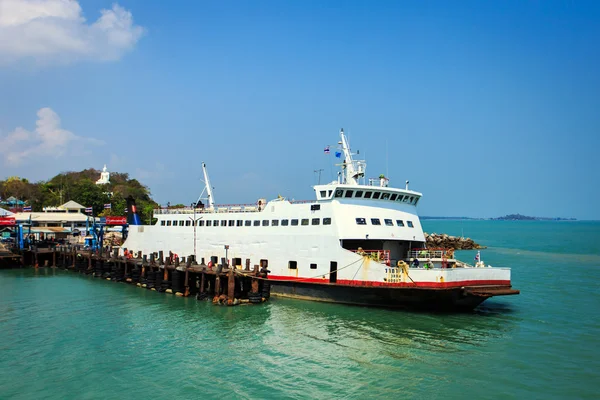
x,y
380,182
221,208
381,256
302,201
447,254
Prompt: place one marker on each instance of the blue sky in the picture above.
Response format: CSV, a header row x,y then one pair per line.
x,y
488,108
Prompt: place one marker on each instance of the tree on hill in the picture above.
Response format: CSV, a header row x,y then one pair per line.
x,y
81,187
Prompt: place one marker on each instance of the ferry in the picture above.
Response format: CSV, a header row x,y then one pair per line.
x,y
359,241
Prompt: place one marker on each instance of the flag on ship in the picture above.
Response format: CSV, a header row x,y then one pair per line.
x,y
89,209
27,209
326,150
338,154
477,257
107,206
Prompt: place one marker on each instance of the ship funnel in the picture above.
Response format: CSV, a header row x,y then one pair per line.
x,y
132,216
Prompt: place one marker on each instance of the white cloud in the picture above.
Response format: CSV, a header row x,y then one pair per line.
x,y
55,32
47,140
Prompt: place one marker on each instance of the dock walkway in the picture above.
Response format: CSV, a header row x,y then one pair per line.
x,y
228,285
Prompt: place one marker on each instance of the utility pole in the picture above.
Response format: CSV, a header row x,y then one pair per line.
x,y
319,172
195,222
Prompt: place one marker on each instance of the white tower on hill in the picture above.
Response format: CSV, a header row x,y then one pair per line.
x,y
104,177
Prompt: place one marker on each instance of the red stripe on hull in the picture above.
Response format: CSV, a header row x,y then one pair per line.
x,y
436,285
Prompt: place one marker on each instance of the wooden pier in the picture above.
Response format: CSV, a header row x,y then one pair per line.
x,y
224,284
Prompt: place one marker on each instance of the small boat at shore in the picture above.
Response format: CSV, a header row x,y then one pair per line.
x,y
360,241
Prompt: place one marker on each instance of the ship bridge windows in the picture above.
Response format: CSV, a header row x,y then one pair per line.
x,y
385,196
361,221
323,193
326,221
349,193
368,194
284,222
376,195
339,193
294,222
358,194
393,197
388,222
410,224
400,198
315,221
399,222
375,221
304,221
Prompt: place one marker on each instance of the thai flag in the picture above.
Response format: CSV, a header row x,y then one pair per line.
x,y
107,206
27,209
326,150
477,256
89,209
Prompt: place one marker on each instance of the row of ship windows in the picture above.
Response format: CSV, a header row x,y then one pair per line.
x,y
368,194
239,222
388,222
283,222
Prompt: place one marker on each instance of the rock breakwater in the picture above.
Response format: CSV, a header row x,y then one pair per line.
x,y
435,240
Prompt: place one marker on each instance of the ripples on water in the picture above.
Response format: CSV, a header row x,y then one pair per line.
x,y
71,336
79,337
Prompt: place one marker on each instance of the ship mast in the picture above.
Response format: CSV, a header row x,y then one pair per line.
x,y
209,193
208,189
352,170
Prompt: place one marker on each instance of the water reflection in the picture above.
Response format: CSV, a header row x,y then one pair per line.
x,y
336,323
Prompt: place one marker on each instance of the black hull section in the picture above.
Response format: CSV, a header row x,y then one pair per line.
x,y
450,299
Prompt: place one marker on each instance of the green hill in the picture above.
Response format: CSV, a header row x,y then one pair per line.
x,y
81,187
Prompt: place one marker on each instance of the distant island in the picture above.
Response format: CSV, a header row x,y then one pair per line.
x,y
519,217
509,217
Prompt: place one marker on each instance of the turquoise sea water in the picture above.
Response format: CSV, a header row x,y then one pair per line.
x,y
67,336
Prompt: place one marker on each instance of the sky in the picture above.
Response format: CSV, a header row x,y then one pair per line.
x,y
487,108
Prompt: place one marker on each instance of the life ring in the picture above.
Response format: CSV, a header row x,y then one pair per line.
x,y
210,264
